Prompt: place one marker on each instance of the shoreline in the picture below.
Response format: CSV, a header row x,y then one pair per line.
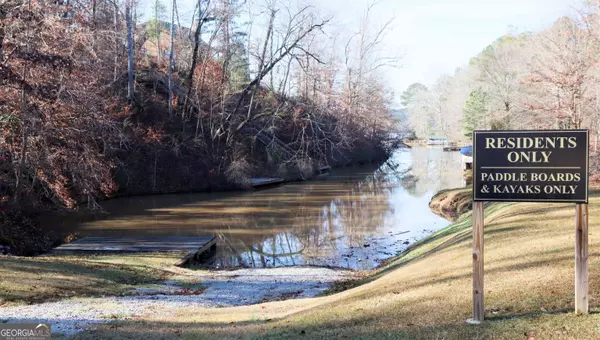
x,y
451,204
406,255
165,292
27,221
239,287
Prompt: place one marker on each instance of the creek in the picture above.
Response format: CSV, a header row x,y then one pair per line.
x,y
354,218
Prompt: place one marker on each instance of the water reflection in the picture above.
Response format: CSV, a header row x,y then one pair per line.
x,y
435,169
353,218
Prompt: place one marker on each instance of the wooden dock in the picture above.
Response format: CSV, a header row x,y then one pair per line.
x,y
194,246
324,169
264,181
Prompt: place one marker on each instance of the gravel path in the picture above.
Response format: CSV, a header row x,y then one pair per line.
x,y
224,288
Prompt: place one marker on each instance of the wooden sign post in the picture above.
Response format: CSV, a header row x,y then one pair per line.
x,y
581,258
531,166
478,307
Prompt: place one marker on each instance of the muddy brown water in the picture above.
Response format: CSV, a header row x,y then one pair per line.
x,y
354,218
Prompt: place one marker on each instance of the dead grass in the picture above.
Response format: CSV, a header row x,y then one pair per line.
x,y
47,278
426,293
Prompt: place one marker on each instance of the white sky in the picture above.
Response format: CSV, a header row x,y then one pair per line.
x,y
434,36
438,36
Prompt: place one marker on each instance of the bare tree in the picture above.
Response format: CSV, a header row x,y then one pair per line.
x,y
560,73
298,28
171,54
203,16
130,52
501,67
158,29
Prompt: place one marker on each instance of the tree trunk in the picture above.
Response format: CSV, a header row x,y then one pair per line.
x,y
171,60
190,77
266,69
154,172
3,15
134,24
130,88
116,28
262,64
22,161
271,55
225,48
94,13
158,24
25,118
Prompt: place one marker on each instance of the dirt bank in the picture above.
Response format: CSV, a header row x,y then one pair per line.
x,y
451,204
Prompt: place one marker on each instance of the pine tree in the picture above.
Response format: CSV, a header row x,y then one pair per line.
x,y
156,25
475,112
238,66
231,41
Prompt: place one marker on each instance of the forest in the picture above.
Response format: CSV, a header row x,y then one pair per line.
x,y
97,102
533,80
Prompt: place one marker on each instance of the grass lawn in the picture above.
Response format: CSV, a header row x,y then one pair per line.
x,y
46,278
426,292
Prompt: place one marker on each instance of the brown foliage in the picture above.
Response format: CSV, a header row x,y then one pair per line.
x,y
69,135
56,116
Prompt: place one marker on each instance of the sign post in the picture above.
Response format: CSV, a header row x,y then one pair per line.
x,y
581,258
478,306
531,166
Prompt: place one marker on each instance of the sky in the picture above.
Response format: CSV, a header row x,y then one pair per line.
x,y
434,37
437,36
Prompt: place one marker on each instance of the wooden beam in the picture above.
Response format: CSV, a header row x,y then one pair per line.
x,y
261,181
478,222
191,245
208,246
581,258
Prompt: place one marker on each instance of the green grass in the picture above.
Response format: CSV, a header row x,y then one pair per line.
x,y
426,292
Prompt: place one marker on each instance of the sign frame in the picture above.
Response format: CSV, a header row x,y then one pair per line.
x,y
586,173
581,233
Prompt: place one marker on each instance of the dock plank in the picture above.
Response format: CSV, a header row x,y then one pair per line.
x,y
191,245
260,181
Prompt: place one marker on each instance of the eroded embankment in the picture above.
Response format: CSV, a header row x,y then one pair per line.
x,y
451,204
